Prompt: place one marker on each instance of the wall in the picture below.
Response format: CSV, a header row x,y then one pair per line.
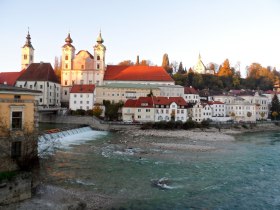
x,y
15,190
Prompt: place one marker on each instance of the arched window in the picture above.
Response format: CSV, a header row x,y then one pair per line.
x,y
25,56
66,57
98,57
98,66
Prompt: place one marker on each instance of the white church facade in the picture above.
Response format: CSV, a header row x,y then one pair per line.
x,y
82,68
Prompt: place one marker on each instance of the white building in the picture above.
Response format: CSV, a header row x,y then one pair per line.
x,y
82,97
82,68
171,90
241,110
154,109
191,95
41,76
200,68
200,111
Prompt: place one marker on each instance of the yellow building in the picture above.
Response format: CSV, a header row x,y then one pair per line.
x,y
18,117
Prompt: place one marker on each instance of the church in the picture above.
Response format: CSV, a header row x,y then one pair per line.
x,y
82,68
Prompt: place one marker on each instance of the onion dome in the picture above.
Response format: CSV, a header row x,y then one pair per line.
x,y
28,42
68,39
99,39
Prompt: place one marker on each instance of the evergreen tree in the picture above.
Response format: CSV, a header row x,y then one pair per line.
x,y
181,68
166,64
275,106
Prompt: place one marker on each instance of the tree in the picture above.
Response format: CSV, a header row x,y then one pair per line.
x,y
166,64
249,114
275,106
57,67
225,69
274,115
262,114
181,68
97,111
126,63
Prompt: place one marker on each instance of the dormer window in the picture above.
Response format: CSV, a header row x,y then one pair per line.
x,y
144,104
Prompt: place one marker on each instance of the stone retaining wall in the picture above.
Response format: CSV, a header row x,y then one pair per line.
x,y
15,190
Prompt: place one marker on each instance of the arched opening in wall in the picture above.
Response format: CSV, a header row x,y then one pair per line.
x,y
98,66
66,57
25,56
98,57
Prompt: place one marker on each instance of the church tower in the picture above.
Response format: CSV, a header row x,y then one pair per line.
x,y
27,53
99,54
68,53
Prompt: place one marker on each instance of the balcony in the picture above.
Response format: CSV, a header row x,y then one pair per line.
x,y
4,100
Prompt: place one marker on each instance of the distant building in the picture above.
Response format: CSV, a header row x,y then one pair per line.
x,y
82,97
153,109
200,111
82,68
18,115
191,95
200,68
41,76
148,75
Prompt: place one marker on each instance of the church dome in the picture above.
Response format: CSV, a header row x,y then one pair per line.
x,y
68,39
99,39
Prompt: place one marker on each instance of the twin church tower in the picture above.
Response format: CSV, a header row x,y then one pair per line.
x,y
76,69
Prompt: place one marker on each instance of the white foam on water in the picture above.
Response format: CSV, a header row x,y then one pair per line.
x,y
50,142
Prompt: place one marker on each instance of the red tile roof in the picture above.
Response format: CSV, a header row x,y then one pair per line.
x,y
39,72
9,78
136,73
82,89
151,101
190,90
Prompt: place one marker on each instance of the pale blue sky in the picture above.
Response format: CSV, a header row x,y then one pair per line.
x,y
240,30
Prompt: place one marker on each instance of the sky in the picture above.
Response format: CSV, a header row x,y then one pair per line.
x,y
244,31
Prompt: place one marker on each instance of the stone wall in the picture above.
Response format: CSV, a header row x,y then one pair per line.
x,y
16,189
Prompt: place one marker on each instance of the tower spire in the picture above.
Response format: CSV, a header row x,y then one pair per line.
x,y
28,42
99,38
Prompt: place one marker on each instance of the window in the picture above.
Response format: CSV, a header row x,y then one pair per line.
x,y
50,93
74,102
30,86
73,82
25,56
98,57
87,102
50,100
65,92
41,86
16,149
65,82
90,82
81,102
17,97
87,107
81,95
139,110
75,95
66,57
66,66
41,100
98,66
139,116
16,120
82,67
82,82
147,110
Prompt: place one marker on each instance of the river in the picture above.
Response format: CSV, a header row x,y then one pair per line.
x,y
243,174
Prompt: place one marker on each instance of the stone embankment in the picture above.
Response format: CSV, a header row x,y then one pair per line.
x,y
16,189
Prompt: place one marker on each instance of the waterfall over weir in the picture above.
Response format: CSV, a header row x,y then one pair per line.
x,y
54,139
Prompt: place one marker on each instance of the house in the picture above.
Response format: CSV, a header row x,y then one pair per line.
x,y
154,109
218,111
82,97
41,77
154,75
200,111
241,110
191,95
83,68
170,108
18,117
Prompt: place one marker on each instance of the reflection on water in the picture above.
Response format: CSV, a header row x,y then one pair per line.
x,y
245,174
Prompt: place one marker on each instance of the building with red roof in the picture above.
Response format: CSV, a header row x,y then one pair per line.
x,y
41,76
191,95
155,109
82,97
9,78
137,74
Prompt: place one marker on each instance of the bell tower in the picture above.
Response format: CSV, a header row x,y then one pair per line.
x,y
27,53
68,53
99,54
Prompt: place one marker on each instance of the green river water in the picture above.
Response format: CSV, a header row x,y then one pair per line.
x,y
244,174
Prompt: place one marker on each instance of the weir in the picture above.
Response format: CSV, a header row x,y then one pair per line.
x,y
62,132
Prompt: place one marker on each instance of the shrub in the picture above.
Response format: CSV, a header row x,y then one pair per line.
x,y
7,175
244,126
189,124
147,125
205,124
